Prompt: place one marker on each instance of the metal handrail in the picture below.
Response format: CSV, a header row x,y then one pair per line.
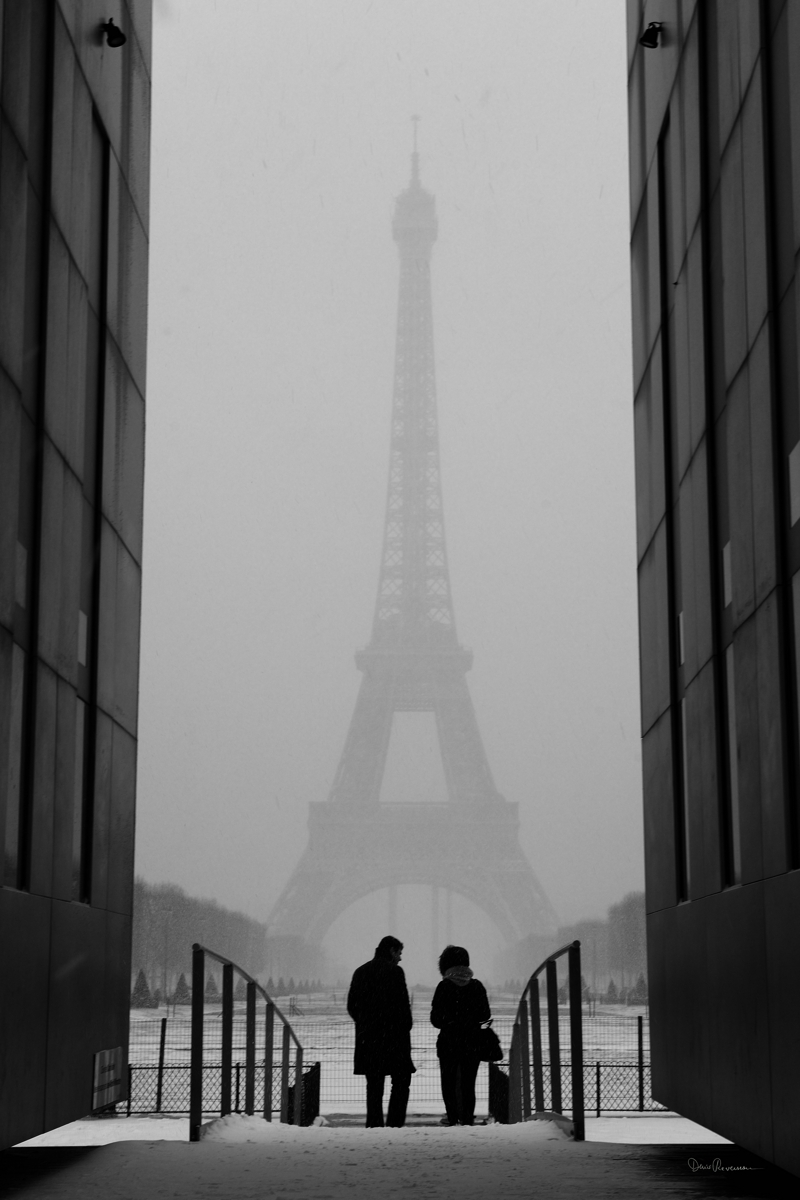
x,y
526,1044
196,1068
227,962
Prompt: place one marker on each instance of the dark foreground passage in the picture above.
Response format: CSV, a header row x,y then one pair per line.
x,y
467,1164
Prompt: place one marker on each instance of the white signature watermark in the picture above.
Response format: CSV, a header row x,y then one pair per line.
x,y
716,1165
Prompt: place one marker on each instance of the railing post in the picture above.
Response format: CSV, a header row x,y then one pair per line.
x,y
285,1076
576,1040
297,1115
536,1036
250,1052
514,1106
160,1078
552,1029
269,1039
226,1056
525,1059
196,1060
640,1032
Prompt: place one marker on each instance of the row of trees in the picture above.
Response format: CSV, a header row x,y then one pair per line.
x,y
305,987
627,995
637,994
143,996
615,948
165,924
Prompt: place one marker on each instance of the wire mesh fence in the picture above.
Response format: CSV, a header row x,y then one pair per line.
x,y
154,1088
616,1077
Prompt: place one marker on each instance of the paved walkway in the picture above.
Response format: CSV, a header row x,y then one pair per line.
x,y
483,1163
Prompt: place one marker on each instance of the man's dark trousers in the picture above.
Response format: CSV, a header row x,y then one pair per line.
x,y
398,1100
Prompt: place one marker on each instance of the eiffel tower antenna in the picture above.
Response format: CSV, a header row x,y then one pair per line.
x,y
413,662
415,153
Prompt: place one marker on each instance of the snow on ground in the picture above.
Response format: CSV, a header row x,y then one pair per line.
x,y
101,1131
245,1158
665,1129
255,1129
644,1130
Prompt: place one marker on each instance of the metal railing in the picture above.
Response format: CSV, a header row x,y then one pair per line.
x,y
525,1080
298,1102
616,1057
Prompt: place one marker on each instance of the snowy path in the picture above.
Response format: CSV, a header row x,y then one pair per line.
x,y
429,1163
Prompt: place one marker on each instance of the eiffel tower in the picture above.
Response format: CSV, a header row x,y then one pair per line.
x,y
359,844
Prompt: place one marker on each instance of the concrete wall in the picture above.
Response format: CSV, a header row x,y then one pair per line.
x,y
74,160
715,219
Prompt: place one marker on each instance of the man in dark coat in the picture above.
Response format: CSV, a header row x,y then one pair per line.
x,y
378,1003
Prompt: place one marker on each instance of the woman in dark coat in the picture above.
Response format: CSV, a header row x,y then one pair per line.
x,y
460,1006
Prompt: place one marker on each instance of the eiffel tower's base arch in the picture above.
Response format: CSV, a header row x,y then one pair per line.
x,y
356,850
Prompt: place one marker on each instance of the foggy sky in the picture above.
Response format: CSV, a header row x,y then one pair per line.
x,y
281,137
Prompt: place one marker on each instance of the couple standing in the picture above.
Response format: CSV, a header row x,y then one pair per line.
x,y
378,1003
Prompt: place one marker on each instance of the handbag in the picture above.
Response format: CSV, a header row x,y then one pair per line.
x,y
489,1048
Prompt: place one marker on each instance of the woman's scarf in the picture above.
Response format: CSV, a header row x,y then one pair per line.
x,y
459,975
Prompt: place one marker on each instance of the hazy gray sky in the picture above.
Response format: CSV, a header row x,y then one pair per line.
x,y
281,137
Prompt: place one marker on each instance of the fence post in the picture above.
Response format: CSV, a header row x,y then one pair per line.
x,y
238,1072
597,1085
269,1037
552,1029
640,1032
576,1040
250,1052
536,1035
130,1087
514,1097
226,1056
196,1060
525,1059
160,1082
285,1076
297,1115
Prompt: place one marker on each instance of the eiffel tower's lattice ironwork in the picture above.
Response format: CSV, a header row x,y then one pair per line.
x,y
413,663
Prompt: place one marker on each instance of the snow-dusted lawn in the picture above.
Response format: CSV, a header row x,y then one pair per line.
x,y
327,1035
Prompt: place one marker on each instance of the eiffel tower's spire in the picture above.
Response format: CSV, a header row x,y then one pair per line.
x,y
414,607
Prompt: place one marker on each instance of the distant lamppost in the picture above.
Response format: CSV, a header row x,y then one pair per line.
x,y
166,914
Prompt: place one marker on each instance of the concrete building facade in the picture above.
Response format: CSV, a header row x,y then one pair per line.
x,y
715,220
74,166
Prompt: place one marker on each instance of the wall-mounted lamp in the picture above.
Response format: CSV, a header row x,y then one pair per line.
x,y
649,38
114,35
